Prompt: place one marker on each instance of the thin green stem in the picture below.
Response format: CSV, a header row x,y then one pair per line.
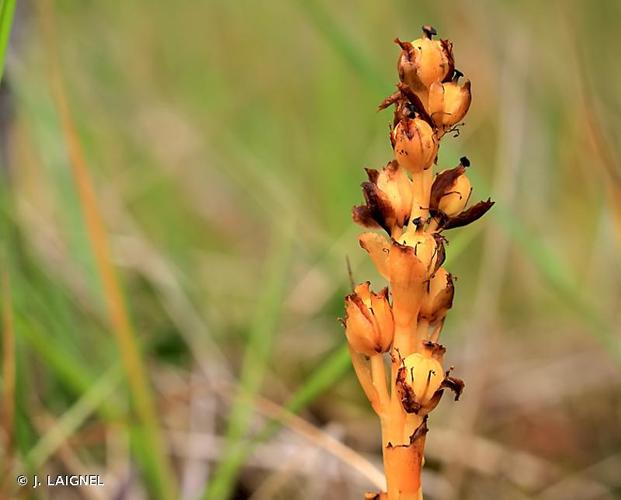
x,y
7,12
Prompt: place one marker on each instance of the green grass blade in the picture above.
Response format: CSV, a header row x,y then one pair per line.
x,y
74,417
142,398
253,369
331,370
7,12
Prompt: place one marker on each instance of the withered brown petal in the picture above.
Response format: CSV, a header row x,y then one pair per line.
x,y
440,251
377,209
443,183
432,403
414,101
436,350
447,45
420,432
390,100
406,393
470,215
454,384
357,301
372,174
363,216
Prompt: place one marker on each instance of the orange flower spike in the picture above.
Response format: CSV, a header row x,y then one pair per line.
x,y
369,325
415,208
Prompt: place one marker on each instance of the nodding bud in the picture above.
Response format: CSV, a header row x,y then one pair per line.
x,y
425,61
448,103
415,144
439,297
369,324
423,376
424,244
456,194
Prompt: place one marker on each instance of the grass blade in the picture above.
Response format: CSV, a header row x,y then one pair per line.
x,y
7,12
73,418
141,395
255,361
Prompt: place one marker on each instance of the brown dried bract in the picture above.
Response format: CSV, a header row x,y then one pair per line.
x,y
447,45
469,215
377,212
436,350
454,384
405,392
440,251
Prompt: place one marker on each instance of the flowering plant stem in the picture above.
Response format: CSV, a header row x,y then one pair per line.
x,y
402,323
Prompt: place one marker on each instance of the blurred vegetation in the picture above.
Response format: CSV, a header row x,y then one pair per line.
x,y
225,142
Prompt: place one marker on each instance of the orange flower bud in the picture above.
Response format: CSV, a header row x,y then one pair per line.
x,y
421,380
415,144
425,61
456,197
451,190
369,325
423,376
448,102
439,297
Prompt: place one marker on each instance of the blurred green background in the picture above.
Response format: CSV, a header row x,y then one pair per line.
x,y
225,142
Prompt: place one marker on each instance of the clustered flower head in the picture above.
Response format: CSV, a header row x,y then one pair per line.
x,y
415,208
